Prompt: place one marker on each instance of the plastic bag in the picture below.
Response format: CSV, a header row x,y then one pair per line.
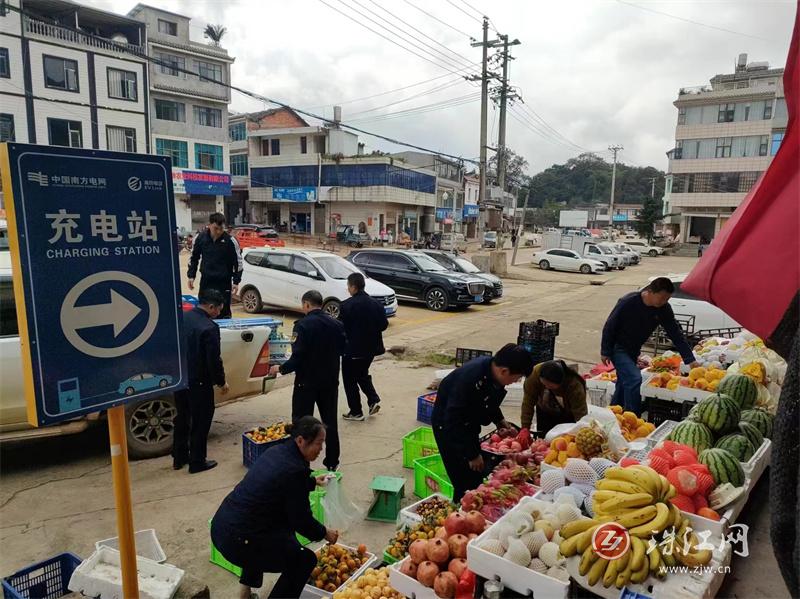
x,y
607,421
340,512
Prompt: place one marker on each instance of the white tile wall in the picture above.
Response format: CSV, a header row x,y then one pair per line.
x,y
697,200
102,63
44,110
121,119
16,83
12,22
15,106
737,129
37,51
719,165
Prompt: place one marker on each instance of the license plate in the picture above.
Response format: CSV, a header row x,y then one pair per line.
x,y
389,310
478,298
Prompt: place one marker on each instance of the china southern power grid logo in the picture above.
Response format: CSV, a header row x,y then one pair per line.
x,y
135,184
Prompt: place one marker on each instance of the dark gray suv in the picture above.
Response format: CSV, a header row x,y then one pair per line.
x,y
494,286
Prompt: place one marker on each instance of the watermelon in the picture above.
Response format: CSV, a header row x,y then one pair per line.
x,y
742,389
752,433
693,434
718,412
761,419
738,445
724,466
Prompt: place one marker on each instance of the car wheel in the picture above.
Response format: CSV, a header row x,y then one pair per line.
x,y
251,301
163,383
652,253
332,308
487,298
129,391
436,299
149,427
622,267
586,269
544,265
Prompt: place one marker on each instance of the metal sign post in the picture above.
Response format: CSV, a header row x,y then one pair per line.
x,y
95,271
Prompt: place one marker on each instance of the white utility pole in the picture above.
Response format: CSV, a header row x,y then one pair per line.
x,y
614,149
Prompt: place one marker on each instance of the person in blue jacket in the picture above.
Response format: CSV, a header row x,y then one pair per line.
x,y
468,398
629,325
255,526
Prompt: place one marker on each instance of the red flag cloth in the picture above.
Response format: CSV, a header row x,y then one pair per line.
x,y
752,268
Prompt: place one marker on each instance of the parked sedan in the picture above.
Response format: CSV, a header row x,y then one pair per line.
x,y
569,260
494,286
632,254
644,248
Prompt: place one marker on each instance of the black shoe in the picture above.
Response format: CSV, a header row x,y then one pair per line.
x,y
355,417
207,465
332,468
176,465
374,409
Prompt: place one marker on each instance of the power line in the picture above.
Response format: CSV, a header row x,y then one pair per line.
x,y
434,90
447,68
478,12
547,126
448,103
685,20
460,56
457,7
439,20
392,30
535,128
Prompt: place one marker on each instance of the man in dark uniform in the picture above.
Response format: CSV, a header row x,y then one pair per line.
x,y
220,262
364,320
195,404
467,399
317,345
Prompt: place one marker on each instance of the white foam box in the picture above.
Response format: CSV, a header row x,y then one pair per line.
x,y
517,578
100,576
408,515
310,591
147,545
407,586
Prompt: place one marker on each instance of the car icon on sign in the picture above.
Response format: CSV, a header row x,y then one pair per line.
x,y
144,382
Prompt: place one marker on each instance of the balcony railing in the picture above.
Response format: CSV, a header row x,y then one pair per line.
x,y
40,28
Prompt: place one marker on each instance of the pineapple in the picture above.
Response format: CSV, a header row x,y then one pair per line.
x,y
590,441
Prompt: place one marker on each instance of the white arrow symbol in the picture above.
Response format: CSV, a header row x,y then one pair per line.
x,y
119,313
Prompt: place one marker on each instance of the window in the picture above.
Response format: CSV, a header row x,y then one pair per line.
x,y
177,150
61,73
122,85
5,66
208,157
237,132
207,117
279,261
388,260
681,116
777,139
172,64
301,266
677,154
747,112
209,70
167,110
7,127
120,139
319,144
304,145
362,259
65,133
768,110
239,165
723,147
275,147
254,258
763,145
167,27
725,113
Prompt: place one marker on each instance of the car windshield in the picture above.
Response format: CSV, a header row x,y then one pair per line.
x,y
605,250
466,265
336,267
427,264
491,235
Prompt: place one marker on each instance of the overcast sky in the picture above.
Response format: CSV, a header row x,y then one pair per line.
x,y
598,72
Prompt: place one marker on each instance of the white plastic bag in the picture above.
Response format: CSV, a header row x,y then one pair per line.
x,y
607,421
340,512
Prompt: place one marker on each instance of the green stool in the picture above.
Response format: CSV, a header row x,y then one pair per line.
x,y
388,492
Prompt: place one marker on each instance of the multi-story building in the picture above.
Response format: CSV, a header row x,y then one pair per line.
x,y
189,115
449,187
472,188
311,179
726,136
72,75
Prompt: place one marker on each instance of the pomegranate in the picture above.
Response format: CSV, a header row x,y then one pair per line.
x,y
441,533
438,551
476,522
427,572
444,585
457,566
458,545
418,550
456,523
409,568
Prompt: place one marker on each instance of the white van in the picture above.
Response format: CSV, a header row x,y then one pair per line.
x,y
453,241
280,277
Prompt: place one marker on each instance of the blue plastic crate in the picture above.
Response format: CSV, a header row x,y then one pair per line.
x,y
251,450
45,580
628,594
425,407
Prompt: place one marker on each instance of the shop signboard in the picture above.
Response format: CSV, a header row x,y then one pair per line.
x,y
471,210
201,182
295,194
444,214
620,218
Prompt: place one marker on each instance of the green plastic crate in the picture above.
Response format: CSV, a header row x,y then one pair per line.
x,y
419,443
431,477
388,559
218,559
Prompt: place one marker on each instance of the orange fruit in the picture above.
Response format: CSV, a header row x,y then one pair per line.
x,y
616,409
560,444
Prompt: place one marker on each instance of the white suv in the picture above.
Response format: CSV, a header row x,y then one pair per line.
x,y
644,249
280,277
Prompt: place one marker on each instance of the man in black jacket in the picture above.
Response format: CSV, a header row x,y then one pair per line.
x,y
317,345
629,325
467,399
220,262
364,320
195,404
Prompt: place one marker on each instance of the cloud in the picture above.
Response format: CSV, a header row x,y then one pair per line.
x,y
597,72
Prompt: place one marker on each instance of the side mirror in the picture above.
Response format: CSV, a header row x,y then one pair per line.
x,y
313,274
413,268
